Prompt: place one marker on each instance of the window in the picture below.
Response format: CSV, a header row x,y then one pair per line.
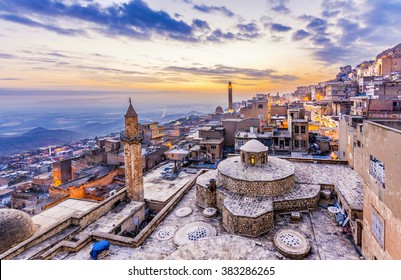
x,y
252,159
378,227
260,116
376,169
262,159
303,129
240,142
260,106
296,129
296,144
358,143
287,142
303,143
213,147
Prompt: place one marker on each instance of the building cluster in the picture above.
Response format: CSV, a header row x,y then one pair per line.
x,y
334,145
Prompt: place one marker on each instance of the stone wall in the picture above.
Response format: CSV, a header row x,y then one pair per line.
x,y
246,226
314,160
205,197
296,204
258,188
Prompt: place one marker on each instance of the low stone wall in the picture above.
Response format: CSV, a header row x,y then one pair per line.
x,y
247,226
315,160
296,204
258,188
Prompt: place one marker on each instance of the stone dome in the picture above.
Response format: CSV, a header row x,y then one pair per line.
x,y
219,110
15,227
254,146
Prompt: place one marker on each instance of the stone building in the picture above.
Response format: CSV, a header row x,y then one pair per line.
x,y
62,172
388,61
257,108
247,189
232,126
377,160
152,133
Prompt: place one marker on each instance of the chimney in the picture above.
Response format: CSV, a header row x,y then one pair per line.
x,y
212,185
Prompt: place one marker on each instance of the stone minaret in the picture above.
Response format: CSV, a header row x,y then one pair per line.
x,y
230,98
133,156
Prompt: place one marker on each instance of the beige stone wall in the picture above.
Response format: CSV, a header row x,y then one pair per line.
x,y
247,226
255,188
392,230
133,171
205,197
296,204
384,144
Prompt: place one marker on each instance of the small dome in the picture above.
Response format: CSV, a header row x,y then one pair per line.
x,y
15,227
219,110
254,146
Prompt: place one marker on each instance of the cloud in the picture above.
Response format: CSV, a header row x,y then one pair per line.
x,y
279,6
201,24
328,14
32,23
350,31
300,35
7,56
10,79
211,9
218,36
317,25
246,31
220,71
276,27
133,19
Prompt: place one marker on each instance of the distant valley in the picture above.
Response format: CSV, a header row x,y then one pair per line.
x,y
40,137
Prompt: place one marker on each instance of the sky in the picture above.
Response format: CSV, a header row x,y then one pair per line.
x,y
183,50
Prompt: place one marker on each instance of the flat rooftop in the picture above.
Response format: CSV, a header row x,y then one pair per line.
x,y
161,190
320,229
347,181
396,124
62,211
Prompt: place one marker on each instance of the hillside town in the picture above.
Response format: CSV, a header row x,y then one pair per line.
x,y
325,154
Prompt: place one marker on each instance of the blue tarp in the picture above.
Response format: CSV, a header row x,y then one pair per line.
x,y
99,247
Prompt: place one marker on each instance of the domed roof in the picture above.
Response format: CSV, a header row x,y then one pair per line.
x,y
254,146
219,110
15,227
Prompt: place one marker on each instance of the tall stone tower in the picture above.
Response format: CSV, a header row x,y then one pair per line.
x,y
230,98
133,156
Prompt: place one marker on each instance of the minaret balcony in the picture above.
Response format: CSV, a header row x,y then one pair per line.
x,y
125,138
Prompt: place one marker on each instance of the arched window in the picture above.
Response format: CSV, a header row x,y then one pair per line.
x,y
252,159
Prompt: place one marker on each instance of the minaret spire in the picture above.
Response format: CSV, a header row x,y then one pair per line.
x,y
133,156
230,98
